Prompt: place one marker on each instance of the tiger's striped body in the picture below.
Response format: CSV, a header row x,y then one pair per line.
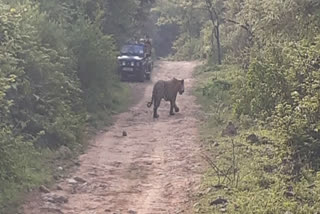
x,y
167,90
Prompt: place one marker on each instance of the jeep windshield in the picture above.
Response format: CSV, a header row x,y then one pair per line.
x,y
135,50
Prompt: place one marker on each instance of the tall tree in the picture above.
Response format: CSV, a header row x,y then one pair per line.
x,y
215,10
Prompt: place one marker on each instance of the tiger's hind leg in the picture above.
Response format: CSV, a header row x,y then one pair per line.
x,y
155,108
172,105
176,108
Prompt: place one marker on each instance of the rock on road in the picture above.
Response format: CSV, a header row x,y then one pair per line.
x,y
154,169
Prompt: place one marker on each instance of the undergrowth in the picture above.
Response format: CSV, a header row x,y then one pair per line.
x,y
41,167
248,172
57,82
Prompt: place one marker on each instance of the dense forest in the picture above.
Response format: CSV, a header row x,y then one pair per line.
x,y
262,71
57,76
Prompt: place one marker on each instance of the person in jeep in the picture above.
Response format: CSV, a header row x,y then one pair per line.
x,y
148,45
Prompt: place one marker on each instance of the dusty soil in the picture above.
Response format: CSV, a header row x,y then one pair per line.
x,y
154,169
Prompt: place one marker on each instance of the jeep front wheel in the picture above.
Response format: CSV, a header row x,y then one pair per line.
x,y
141,76
122,76
148,76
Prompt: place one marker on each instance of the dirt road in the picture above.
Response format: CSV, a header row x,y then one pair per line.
x,y
154,169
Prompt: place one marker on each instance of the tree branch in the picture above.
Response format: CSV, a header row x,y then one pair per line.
x,y
246,27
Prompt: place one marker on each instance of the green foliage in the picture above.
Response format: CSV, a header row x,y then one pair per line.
x,y
185,48
265,87
266,180
284,87
22,167
178,23
46,90
275,94
96,64
57,73
215,90
277,43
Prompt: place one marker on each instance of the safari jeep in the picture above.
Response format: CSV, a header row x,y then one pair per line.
x,y
134,62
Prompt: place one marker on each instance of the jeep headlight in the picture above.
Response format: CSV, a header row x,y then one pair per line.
x,y
123,63
132,63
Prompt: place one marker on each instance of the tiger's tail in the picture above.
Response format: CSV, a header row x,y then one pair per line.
x,y
151,102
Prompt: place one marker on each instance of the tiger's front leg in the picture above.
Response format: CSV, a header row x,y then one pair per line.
x,y
171,107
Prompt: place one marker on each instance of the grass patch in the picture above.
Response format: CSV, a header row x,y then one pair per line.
x,y
247,170
34,171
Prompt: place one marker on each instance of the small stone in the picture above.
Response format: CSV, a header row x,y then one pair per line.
x,y
219,201
80,180
73,190
44,189
132,212
71,181
148,163
77,163
218,186
92,174
223,210
124,134
51,210
60,168
56,177
252,138
103,186
59,187
54,198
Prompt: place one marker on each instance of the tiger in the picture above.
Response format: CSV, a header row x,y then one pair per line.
x,y
168,91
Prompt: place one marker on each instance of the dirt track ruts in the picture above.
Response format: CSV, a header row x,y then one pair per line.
x,y
155,169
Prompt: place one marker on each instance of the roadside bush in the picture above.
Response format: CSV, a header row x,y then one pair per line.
x,y
268,177
283,88
96,62
55,69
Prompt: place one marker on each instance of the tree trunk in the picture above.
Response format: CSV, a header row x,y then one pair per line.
x,y
217,35
212,40
216,28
